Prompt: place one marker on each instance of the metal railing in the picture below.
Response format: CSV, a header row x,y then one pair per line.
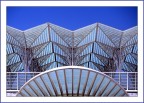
x,y
128,80
15,80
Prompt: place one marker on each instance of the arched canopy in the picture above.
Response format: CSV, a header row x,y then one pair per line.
x,y
71,81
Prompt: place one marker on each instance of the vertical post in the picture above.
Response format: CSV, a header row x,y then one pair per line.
x,y
135,81
25,77
119,77
72,49
127,80
17,80
119,60
25,60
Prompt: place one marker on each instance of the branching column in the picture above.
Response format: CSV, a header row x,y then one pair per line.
x,y
27,59
118,58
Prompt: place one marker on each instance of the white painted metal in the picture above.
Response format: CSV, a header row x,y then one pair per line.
x,y
127,79
96,91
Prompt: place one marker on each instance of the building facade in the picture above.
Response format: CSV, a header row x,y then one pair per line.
x,y
100,47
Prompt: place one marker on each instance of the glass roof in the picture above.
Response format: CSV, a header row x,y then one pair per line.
x,y
96,46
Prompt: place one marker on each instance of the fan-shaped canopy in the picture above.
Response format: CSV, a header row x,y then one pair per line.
x,y
71,81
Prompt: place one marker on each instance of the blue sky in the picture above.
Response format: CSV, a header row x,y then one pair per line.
x,y
72,17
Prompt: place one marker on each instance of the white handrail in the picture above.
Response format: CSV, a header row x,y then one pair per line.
x,y
123,78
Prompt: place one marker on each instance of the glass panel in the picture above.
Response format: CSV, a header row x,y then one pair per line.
x,y
69,80
59,64
130,59
20,68
101,37
98,50
76,73
132,40
85,65
30,90
43,37
45,50
62,80
108,89
114,91
9,49
83,80
36,89
102,86
15,59
120,93
54,79
56,38
87,50
23,92
49,59
96,83
59,59
53,65
89,38
40,82
135,49
96,60
58,50
48,83
85,59
12,40
91,77
92,66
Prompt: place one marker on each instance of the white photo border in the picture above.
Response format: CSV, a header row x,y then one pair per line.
x,y
4,5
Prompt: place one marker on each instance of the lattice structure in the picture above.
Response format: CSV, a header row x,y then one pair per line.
x,y
71,81
96,46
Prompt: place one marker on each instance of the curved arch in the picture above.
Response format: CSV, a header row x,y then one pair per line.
x,y
71,81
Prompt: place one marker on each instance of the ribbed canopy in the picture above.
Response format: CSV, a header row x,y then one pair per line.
x,y
71,81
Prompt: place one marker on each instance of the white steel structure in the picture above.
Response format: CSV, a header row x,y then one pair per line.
x,y
71,81
47,46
